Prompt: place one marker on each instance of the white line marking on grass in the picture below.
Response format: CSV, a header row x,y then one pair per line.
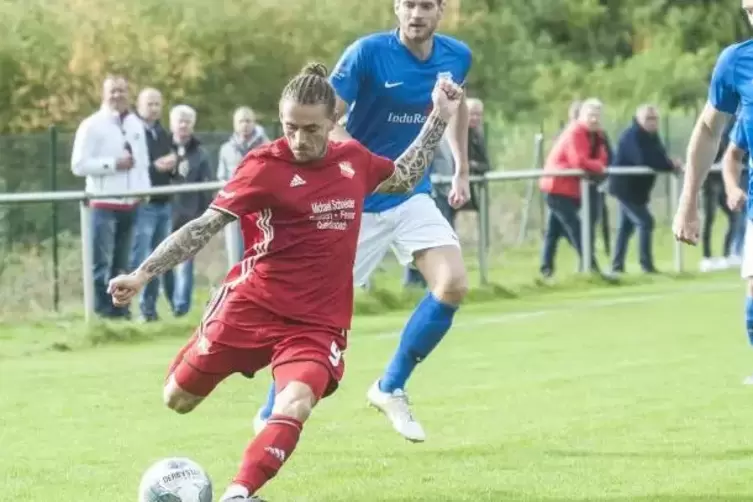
x,y
570,305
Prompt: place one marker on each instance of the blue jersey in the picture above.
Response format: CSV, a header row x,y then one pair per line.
x,y
731,91
388,90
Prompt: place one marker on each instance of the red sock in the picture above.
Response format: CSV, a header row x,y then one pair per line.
x,y
267,452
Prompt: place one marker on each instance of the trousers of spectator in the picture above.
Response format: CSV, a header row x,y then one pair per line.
x,y
602,217
412,275
713,196
563,220
152,226
632,216
111,246
179,288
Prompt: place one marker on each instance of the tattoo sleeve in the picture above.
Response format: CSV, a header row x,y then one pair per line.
x,y
185,242
412,164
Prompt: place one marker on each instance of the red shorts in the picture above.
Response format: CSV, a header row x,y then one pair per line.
x,y
237,336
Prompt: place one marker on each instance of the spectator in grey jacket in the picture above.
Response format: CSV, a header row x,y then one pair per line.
x,y
247,136
193,167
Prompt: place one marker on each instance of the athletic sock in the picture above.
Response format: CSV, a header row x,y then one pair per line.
x,y
267,452
422,333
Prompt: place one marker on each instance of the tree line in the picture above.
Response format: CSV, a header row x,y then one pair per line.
x,y
530,58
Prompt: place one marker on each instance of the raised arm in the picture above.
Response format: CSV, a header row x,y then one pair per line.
x,y
411,165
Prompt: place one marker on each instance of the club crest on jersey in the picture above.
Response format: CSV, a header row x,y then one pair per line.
x,y
346,169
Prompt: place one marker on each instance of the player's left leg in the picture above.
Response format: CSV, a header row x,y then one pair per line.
x,y
425,237
374,240
305,370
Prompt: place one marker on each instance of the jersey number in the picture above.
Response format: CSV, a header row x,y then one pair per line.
x,y
335,355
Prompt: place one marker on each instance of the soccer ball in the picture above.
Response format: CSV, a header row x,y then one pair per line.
x,y
175,480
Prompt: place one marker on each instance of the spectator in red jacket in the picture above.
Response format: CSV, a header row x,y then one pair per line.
x,y
580,146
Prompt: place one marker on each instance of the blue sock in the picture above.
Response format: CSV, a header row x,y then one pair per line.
x,y
422,333
266,412
749,318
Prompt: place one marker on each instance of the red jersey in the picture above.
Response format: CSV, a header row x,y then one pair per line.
x,y
300,223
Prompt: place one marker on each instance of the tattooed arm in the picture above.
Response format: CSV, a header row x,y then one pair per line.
x,y
412,164
184,243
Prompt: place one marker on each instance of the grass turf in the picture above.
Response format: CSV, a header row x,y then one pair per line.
x,y
620,394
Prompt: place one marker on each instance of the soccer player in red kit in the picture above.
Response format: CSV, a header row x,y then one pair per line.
x,y
289,302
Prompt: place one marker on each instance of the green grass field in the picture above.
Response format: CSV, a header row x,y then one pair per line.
x,y
616,394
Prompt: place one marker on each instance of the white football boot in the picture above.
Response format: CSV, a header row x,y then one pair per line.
x,y
396,408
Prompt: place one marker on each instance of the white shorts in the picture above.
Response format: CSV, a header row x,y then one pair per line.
x,y
746,270
414,225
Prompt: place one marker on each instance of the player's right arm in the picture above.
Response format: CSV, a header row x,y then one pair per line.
x,y
348,79
247,192
722,103
183,244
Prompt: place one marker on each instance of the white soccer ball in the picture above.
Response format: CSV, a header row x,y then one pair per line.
x,y
175,480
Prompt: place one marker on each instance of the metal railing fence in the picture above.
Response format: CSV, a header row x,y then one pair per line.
x,y
481,184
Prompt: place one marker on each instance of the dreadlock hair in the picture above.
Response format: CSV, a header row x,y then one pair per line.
x,y
310,87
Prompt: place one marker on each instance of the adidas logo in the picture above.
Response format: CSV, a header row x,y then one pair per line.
x,y
297,181
276,452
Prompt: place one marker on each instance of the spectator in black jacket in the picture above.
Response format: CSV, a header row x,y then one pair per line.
x,y
193,167
153,216
713,195
639,145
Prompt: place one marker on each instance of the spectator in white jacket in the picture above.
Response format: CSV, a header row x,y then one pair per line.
x,y
110,150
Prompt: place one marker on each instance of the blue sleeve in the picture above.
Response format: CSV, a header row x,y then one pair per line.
x,y
737,136
722,90
350,72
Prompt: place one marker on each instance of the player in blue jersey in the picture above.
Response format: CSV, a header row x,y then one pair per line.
x,y
384,83
731,88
